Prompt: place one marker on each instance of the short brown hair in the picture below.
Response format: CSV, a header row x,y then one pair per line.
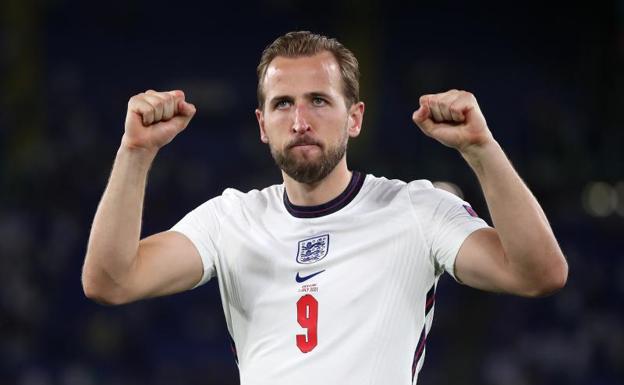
x,y
305,43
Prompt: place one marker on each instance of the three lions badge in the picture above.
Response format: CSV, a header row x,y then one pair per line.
x,y
313,249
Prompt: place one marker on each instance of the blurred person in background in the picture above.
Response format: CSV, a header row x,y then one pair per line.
x,y
331,275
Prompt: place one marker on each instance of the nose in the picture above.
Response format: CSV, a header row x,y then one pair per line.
x,y
300,124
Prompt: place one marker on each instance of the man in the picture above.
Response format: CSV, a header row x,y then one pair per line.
x,y
329,277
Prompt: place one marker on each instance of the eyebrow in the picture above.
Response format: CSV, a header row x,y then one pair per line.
x,y
280,98
318,94
308,95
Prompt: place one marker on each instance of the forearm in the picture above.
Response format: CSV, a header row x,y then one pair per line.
x,y
116,228
530,247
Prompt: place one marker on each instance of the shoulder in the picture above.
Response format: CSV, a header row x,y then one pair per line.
x,y
420,192
423,192
385,186
232,199
232,202
384,193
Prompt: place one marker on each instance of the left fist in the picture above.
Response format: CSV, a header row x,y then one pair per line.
x,y
454,119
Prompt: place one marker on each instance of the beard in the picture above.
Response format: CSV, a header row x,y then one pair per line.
x,y
309,171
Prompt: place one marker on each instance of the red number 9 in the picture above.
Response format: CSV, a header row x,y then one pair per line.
x,y
307,316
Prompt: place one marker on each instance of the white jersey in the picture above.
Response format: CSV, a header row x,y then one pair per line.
x,y
340,293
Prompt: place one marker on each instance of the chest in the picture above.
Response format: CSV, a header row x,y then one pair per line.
x,y
267,260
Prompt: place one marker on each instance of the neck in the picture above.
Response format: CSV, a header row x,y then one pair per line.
x,y
303,194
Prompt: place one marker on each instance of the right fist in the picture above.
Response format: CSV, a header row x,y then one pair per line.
x,y
155,118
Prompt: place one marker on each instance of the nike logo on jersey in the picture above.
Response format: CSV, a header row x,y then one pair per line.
x,y
300,278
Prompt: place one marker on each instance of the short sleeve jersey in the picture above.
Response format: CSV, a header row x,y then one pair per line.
x,y
340,293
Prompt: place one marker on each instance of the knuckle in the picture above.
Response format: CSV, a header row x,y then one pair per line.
x,y
158,104
146,111
168,101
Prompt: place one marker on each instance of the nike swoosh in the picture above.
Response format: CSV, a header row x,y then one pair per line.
x,y
300,279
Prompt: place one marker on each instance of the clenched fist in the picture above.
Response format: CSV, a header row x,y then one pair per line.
x,y
454,119
155,118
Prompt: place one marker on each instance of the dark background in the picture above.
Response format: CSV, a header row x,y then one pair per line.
x,y
548,78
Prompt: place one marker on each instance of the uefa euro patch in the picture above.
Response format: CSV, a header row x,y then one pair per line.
x,y
313,249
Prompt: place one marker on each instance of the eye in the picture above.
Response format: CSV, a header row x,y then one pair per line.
x,y
318,101
282,104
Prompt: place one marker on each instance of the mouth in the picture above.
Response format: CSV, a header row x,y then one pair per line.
x,y
305,149
305,144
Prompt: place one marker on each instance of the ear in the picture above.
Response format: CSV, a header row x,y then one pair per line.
x,y
260,116
356,114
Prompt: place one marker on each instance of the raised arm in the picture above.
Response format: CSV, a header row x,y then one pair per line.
x,y
118,268
520,255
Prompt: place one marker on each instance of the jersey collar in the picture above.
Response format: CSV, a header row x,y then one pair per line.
x,y
350,192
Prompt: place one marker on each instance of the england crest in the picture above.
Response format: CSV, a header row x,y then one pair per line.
x,y
313,249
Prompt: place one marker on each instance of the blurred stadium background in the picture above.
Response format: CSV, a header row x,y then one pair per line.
x,y
549,80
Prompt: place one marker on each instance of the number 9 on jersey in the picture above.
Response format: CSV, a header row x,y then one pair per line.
x,y
307,316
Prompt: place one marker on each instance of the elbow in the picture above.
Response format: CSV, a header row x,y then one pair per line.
x,y
102,294
551,281
97,296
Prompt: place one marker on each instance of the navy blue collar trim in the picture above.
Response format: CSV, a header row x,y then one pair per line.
x,y
354,186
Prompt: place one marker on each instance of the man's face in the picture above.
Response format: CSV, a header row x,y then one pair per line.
x,y
305,120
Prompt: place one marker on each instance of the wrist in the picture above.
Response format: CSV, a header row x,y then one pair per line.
x,y
138,155
476,155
